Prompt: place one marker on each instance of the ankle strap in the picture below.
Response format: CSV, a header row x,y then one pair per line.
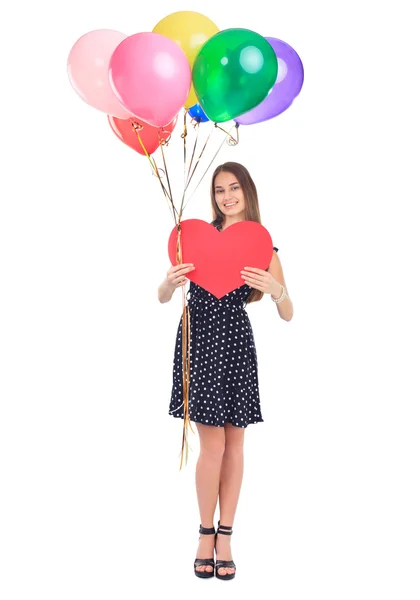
x,y
206,530
221,527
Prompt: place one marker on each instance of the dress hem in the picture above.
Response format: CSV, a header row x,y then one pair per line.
x,y
222,424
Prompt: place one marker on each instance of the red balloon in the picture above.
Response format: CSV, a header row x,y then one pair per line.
x,y
149,135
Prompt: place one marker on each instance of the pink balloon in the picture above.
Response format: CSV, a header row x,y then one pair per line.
x,y
151,77
88,67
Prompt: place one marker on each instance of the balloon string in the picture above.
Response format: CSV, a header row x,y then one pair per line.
x,y
167,196
186,325
167,175
187,179
197,129
231,140
214,157
184,137
186,356
137,128
196,165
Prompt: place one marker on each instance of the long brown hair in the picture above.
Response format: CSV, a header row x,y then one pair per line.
x,y
252,209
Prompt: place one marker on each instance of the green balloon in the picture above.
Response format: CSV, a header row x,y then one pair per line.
x,y
233,73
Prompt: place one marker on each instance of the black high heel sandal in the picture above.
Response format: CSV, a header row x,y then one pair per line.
x,y
205,561
223,564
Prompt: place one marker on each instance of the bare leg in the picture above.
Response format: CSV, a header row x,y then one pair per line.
x,y
207,477
230,487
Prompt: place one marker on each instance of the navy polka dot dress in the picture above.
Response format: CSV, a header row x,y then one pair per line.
x,y
223,361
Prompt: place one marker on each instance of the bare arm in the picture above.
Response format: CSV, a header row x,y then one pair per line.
x,y
165,292
285,307
269,282
175,278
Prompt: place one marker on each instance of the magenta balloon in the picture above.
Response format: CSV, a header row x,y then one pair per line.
x,y
151,77
288,85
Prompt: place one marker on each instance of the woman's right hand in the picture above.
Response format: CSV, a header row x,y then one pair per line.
x,y
175,277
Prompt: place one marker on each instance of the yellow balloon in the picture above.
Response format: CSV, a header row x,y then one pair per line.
x,y
190,30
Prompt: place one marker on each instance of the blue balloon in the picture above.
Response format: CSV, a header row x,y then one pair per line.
x,y
198,113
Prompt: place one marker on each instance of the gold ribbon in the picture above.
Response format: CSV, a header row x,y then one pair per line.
x,y
186,328
186,355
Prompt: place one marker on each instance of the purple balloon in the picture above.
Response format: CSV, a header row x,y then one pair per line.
x,y
288,85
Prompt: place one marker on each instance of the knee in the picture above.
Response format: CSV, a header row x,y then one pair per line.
x,y
214,449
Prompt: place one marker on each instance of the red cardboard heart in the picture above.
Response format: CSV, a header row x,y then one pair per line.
x,y
220,256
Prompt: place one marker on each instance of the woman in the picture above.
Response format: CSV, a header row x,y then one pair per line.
x,y
223,392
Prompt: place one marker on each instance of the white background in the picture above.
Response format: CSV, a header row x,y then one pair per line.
x,y
93,504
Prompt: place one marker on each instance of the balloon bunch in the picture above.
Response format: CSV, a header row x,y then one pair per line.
x,y
143,81
185,62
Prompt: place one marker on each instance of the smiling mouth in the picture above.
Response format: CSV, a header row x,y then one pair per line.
x,y
230,204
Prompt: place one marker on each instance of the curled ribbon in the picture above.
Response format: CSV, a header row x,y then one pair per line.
x,y
186,329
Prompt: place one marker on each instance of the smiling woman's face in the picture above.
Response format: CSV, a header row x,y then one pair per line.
x,y
229,195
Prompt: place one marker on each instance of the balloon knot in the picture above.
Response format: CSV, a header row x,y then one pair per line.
x,y
136,125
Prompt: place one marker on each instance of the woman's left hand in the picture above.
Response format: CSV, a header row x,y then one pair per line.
x,y
261,280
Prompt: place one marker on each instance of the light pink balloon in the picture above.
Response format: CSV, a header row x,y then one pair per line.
x,y
88,67
151,76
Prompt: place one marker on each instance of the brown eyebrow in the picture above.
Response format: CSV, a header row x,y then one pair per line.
x,y
221,187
